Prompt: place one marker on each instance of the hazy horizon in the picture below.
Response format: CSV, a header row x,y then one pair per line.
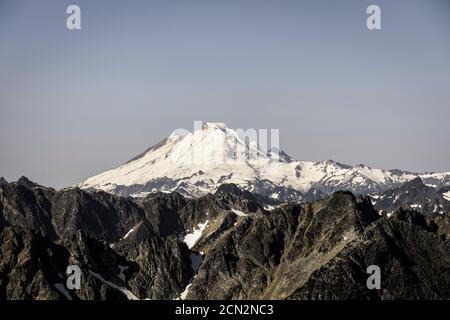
x,y
76,103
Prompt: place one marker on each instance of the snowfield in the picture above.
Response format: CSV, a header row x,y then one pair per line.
x,y
191,238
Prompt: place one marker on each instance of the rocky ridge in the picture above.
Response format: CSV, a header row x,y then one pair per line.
x,y
228,245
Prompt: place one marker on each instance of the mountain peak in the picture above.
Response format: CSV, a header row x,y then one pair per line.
x,y
176,135
25,182
197,162
214,125
3,181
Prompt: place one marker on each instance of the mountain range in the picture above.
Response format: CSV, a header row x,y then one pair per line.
x,y
224,245
197,163
211,215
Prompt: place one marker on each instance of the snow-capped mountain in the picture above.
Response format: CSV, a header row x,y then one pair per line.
x,y
198,162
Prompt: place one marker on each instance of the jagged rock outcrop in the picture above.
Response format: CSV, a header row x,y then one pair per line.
x,y
415,195
443,225
161,266
271,252
242,199
413,262
221,246
171,214
322,250
27,183
99,214
29,265
28,207
3,181
116,241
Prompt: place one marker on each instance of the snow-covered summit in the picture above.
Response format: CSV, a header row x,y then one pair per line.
x,y
195,163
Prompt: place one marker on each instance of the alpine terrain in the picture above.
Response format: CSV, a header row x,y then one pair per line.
x,y
211,215
199,162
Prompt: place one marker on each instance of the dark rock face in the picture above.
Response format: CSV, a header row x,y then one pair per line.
x,y
98,214
80,228
271,252
33,268
415,195
239,199
29,265
444,190
443,225
3,181
313,195
162,267
322,251
413,261
27,207
133,248
27,183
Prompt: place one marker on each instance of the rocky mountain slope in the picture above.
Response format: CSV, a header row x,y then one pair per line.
x,y
226,245
415,195
199,162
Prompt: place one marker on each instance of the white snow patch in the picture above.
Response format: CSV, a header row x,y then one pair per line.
x,y
239,213
185,292
140,194
272,207
111,245
447,195
191,238
129,232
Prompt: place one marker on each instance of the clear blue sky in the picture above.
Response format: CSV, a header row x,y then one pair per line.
x,y
74,103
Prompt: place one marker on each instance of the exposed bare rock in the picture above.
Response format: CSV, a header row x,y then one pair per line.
x,y
221,246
